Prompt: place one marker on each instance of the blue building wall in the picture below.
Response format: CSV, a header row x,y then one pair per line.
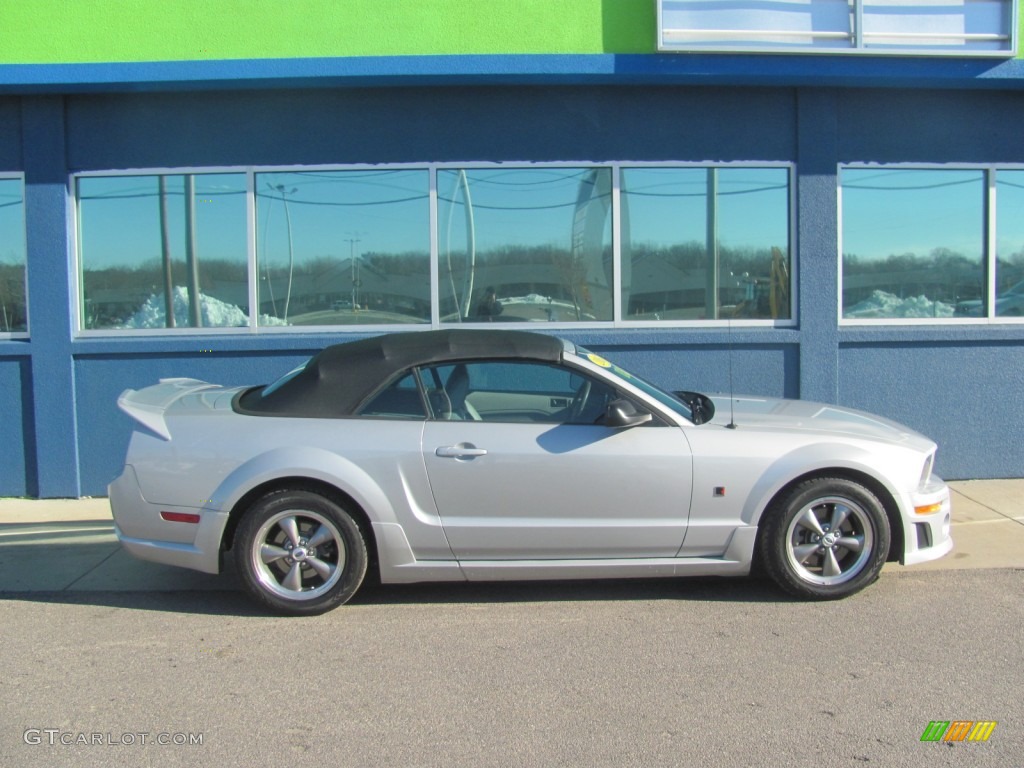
x,y
62,434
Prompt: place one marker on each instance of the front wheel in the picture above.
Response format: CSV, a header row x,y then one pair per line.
x,y
300,553
826,539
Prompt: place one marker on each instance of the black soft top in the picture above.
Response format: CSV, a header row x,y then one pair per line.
x,y
337,380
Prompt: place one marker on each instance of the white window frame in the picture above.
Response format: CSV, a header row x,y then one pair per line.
x,y
617,321
854,42
12,335
989,246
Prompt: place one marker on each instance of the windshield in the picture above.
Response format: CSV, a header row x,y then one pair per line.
x,y
667,399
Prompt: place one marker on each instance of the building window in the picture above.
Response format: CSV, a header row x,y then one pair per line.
x,y
705,243
13,314
375,247
525,244
1009,282
901,27
913,241
163,251
343,247
927,244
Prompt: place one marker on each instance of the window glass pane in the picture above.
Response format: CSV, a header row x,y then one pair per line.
x,y
515,392
525,244
1010,244
343,247
147,242
947,26
13,316
400,400
745,24
913,241
702,243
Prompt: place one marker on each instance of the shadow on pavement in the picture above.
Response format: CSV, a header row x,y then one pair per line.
x,y
217,599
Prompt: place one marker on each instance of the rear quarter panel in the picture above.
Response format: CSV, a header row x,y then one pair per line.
x,y
216,457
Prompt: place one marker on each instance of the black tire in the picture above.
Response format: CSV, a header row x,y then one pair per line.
x,y
801,550
300,553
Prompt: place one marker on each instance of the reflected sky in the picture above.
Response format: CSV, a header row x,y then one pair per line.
x,y
334,213
668,206
895,212
12,222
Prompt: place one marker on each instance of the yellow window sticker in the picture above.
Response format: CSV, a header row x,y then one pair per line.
x,y
598,360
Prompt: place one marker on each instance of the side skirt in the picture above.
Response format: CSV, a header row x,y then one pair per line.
x,y
406,569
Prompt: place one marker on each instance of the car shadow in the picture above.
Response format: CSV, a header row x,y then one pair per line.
x,y
82,563
695,589
221,597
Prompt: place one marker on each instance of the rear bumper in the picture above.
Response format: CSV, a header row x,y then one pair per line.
x,y
927,536
147,536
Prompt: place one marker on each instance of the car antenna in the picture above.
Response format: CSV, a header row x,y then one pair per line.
x,y
732,406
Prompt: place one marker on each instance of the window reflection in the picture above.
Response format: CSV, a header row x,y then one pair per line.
x,y
525,244
13,316
1010,244
705,243
343,247
913,242
163,251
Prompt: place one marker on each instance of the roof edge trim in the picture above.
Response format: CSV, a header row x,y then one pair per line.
x,y
547,69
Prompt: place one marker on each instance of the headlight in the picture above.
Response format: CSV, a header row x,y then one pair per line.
x,y
926,472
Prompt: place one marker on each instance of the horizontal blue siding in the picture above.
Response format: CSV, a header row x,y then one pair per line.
x,y
965,396
62,432
17,446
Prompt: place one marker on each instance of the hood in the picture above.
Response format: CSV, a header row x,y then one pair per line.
x,y
810,417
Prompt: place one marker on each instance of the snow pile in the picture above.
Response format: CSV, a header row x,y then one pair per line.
x,y
886,305
214,313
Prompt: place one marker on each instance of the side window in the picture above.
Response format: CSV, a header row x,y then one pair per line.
x,y
521,392
399,400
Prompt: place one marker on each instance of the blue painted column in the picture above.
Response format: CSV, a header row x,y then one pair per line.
x,y
817,243
50,297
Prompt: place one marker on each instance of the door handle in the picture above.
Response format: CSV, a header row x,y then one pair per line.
x,y
461,451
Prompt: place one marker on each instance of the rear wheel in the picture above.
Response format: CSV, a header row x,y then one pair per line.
x,y
826,539
299,552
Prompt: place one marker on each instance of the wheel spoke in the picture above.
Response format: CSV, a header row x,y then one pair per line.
x,y
269,553
803,552
323,535
852,543
830,566
323,568
293,581
839,515
291,530
809,520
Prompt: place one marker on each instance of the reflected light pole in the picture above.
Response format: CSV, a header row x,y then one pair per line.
x,y
355,268
291,248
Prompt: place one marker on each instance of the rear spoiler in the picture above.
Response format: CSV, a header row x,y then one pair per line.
x,y
147,406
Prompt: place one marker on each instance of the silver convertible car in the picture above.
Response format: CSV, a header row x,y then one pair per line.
x,y
479,455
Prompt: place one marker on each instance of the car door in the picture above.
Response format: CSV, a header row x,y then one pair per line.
x,y
522,469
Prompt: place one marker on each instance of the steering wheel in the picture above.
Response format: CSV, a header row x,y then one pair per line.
x,y
579,401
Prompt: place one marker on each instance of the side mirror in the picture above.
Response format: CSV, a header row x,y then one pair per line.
x,y
622,413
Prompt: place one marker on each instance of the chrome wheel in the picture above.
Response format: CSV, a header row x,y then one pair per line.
x,y
300,552
298,555
829,541
824,538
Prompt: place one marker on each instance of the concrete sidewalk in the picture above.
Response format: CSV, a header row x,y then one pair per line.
x,y
54,545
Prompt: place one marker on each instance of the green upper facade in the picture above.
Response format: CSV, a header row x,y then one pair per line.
x,y
89,31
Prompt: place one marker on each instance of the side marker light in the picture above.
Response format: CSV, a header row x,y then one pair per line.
x,y
180,517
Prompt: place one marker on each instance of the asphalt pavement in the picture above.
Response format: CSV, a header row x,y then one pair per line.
x,y
56,545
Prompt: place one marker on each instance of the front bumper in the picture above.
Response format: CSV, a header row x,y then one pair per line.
x,y
927,536
147,536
